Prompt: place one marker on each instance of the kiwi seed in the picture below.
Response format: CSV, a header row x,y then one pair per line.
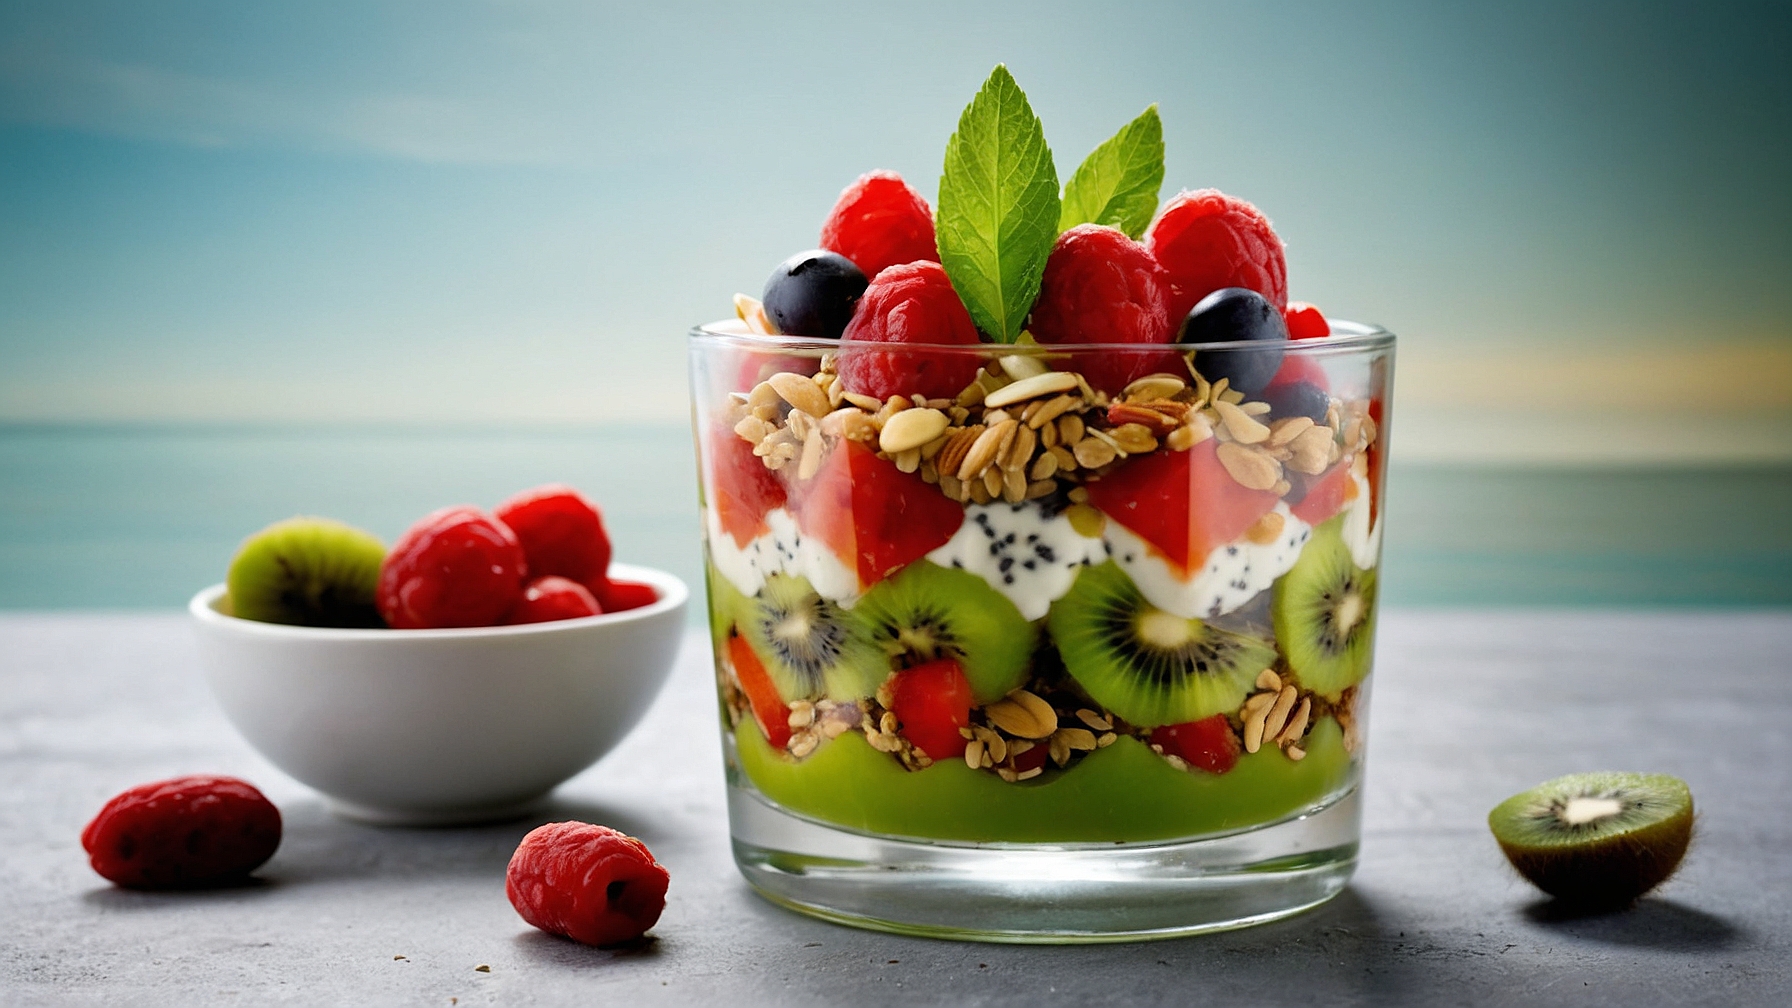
x,y
926,612
810,646
1323,614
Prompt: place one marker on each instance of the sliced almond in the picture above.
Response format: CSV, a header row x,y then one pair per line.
x,y
1019,366
1134,438
1253,730
1287,429
907,461
1297,725
1154,386
1041,488
1014,485
1014,719
1049,410
984,450
1268,680
958,446
1070,429
973,754
1278,714
1093,453
1042,712
1243,427
800,393
911,428
1251,469
752,312
1029,388
1078,738
863,402
812,452
1044,467
1020,451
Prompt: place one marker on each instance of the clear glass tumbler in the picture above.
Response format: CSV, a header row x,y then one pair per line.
x,y
1043,643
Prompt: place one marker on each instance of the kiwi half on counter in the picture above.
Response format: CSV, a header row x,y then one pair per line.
x,y
1149,666
1596,839
810,646
307,572
926,612
1323,614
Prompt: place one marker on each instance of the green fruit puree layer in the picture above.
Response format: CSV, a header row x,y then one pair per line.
x,y
1123,793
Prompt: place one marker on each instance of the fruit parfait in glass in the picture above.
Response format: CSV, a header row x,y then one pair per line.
x,y
1042,539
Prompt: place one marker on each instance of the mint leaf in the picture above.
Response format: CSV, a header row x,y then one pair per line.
x,y
998,213
1117,183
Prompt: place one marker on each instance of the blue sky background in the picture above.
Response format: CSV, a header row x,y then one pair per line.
x,y
500,212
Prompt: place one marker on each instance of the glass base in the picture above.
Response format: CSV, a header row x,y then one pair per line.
x,y
1046,894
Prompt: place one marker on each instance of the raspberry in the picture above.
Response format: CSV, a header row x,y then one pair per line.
x,y
457,567
553,598
933,702
911,303
1207,744
1305,321
620,596
588,883
1102,287
1207,240
183,833
880,221
561,532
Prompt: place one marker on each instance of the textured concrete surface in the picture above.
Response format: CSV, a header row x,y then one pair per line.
x,y
1468,708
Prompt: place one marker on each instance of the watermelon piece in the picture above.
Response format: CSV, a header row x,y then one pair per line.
x,y
741,489
1208,744
933,701
876,518
769,709
1184,503
1330,491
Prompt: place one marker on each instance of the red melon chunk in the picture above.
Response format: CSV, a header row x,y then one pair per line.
x,y
933,701
876,518
740,487
769,709
1183,503
1374,454
1327,496
1209,744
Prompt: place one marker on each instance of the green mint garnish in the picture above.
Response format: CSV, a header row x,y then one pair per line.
x,y
1117,183
998,212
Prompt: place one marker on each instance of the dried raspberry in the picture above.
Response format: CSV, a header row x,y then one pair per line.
x,y
183,833
880,221
911,303
1207,240
561,532
553,598
621,596
455,568
1102,287
588,883
1208,744
1305,321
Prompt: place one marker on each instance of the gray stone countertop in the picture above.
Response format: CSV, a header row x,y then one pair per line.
x,y
1469,707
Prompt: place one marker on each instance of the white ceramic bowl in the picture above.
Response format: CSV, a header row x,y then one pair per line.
x,y
433,727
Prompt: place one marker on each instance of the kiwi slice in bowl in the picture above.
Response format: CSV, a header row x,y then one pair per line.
x,y
1323,614
1596,839
926,612
809,645
307,572
1149,666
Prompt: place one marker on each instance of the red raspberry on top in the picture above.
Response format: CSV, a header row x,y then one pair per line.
x,y
911,303
1102,287
562,533
551,598
880,221
1207,240
456,567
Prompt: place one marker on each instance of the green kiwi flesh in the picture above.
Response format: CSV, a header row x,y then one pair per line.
x,y
926,612
726,605
1596,839
1146,665
307,572
1324,614
810,646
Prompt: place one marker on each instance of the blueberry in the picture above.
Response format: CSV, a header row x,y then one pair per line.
x,y
1236,315
813,294
1297,399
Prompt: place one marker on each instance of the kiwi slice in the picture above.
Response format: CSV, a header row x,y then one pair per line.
x,y
308,572
1149,666
726,604
1323,614
810,646
1596,839
926,612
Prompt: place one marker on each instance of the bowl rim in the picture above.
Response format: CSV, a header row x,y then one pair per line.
x,y
672,591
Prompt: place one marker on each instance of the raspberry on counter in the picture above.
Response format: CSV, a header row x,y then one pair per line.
x,y
589,883
183,833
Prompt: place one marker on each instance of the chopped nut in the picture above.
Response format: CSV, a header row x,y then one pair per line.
x,y
1021,366
1044,467
1251,469
1134,438
1078,495
1014,486
1070,429
752,312
1297,725
1077,738
1008,775
1253,729
911,428
1050,410
1154,386
1312,450
1253,409
864,402
800,393
1059,749
1029,774
1260,702
1244,428
1153,422
984,450
1041,488
802,745
752,429
1265,530
1093,453
1028,388
952,487
812,452
992,482
1287,429
1106,740
802,714
908,461
1295,753
1020,451
1066,459
1042,712
1268,680
973,754
1093,719
1277,718
979,492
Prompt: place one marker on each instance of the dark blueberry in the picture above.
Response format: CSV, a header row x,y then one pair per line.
x,y
1297,399
1236,315
813,294
1298,486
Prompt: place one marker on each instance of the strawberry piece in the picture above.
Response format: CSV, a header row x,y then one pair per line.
x,y
589,883
456,567
1102,287
1327,495
768,707
911,303
562,533
1305,321
621,596
880,221
553,598
1183,503
876,518
1209,743
933,701
740,487
1207,240
183,833
1374,454
1300,368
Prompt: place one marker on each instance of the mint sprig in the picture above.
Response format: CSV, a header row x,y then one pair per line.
x,y
998,208
1117,184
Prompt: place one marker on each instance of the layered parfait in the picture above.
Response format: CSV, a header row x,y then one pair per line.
x,y
1045,519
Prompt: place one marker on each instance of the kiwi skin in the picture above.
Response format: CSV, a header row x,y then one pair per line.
x,y
1605,864
307,571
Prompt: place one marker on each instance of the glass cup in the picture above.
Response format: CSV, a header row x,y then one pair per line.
x,y
1075,649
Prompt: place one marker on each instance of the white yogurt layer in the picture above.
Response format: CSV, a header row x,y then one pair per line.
x,y
1232,574
781,550
1364,541
1030,558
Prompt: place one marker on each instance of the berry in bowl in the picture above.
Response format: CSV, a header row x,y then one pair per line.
x,y
1043,585
458,677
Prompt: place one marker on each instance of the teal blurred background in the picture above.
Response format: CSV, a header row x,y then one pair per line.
x,y
368,259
